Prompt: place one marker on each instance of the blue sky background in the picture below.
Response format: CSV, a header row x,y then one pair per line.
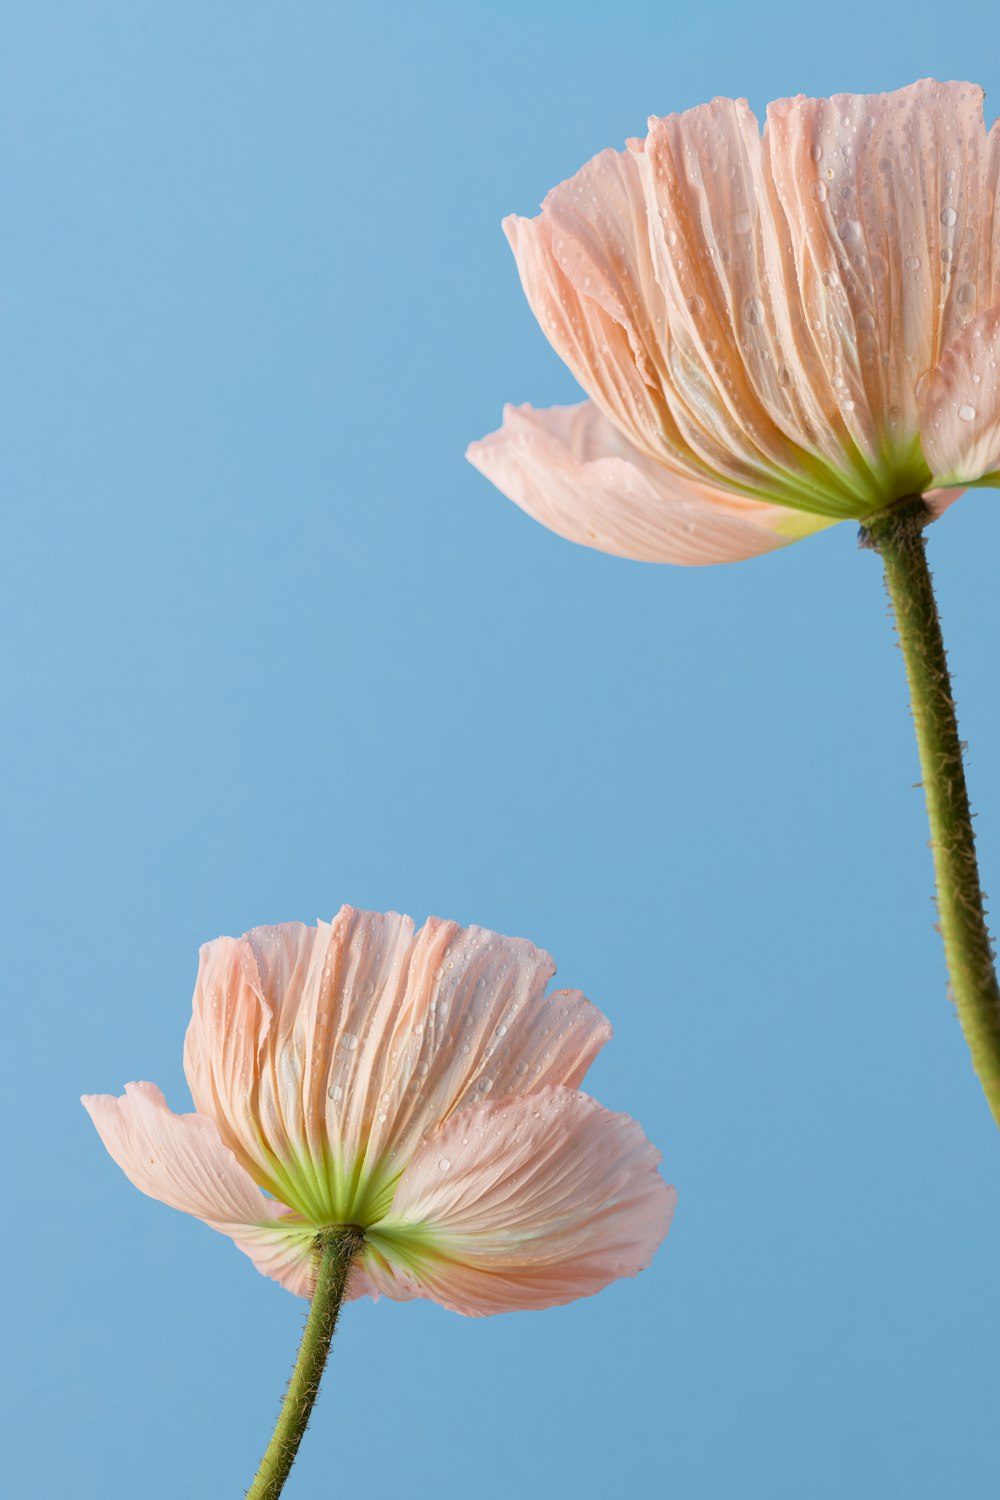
x,y
272,645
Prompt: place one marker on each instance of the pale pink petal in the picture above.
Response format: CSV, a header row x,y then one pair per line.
x,y
571,469
325,1054
939,500
664,279
180,1161
284,1251
990,247
586,270
885,203
526,1204
735,361
960,423
284,1049
475,1023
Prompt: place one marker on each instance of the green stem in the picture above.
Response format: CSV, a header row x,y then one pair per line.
x,y
897,535
337,1249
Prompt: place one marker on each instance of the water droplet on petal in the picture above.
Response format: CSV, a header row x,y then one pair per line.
x,y
444,1164
967,413
948,217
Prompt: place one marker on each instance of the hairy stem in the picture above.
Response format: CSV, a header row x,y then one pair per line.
x,y
897,535
336,1250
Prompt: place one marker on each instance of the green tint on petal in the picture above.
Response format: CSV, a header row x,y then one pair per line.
x,y
796,524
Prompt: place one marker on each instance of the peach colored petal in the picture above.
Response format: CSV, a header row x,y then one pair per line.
x,y
524,1204
325,1054
180,1161
760,316
476,1022
571,469
586,270
939,500
884,197
990,238
641,267
960,422
283,1049
742,391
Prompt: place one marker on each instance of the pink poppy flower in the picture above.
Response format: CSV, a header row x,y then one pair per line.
x,y
776,332
420,1085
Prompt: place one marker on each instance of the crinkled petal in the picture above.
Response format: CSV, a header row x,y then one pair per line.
x,y
886,209
180,1160
586,270
325,1054
960,422
734,359
990,240
762,316
475,1022
284,1048
570,468
663,277
526,1204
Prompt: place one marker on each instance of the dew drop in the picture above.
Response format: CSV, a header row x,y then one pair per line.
x,y
966,293
444,1164
849,230
967,413
818,191
753,310
866,322
912,262
948,217
816,151
335,1091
